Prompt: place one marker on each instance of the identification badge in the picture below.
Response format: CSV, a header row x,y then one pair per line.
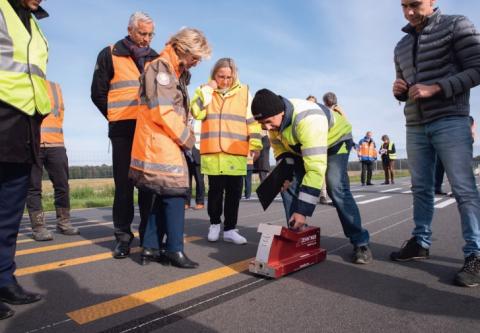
x,y
163,79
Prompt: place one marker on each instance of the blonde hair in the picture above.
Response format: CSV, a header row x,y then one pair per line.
x,y
222,63
190,41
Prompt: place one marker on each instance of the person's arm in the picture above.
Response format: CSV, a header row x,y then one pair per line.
x,y
400,86
102,76
466,45
201,99
160,101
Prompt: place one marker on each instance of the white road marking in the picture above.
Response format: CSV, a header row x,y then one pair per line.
x,y
406,192
445,203
391,190
373,200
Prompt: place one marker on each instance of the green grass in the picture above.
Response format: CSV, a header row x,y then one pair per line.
x,y
100,193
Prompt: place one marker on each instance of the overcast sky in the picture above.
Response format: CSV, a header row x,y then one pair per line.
x,y
295,48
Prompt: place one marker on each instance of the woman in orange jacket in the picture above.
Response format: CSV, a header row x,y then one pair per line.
x,y
161,136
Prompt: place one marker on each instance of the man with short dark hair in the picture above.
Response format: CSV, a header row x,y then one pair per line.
x,y
437,63
319,142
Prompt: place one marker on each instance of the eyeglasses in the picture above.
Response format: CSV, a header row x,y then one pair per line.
x,y
145,34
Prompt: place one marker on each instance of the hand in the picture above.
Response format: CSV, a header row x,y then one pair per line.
x,y
212,84
419,91
297,221
285,186
400,87
254,154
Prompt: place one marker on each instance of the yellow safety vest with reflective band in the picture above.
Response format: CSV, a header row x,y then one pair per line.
x,y
23,63
52,126
312,131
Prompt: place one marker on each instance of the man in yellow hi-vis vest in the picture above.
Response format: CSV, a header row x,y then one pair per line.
x,y
308,133
23,103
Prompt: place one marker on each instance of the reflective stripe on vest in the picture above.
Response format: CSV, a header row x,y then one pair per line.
x,y
51,130
339,129
367,149
225,127
123,100
23,63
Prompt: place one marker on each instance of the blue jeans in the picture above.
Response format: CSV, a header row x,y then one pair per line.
x,y
338,188
14,180
450,138
167,218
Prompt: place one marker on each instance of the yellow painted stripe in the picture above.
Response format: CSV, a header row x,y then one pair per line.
x,y
66,245
78,261
105,309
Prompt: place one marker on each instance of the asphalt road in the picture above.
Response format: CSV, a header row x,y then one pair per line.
x,y
85,290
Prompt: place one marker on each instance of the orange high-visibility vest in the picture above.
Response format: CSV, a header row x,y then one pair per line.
x,y
157,161
123,101
367,149
52,125
225,127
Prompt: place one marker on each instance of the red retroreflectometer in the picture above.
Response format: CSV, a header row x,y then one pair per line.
x,y
282,251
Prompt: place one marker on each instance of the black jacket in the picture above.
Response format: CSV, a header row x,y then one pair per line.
x,y
19,132
445,52
102,76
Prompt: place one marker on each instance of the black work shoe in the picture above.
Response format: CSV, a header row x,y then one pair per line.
x,y
16,295
121,250
149,254
411,250
469,275
362,255
5,311
179,259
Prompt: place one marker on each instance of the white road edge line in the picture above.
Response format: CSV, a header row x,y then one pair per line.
x,y
373,200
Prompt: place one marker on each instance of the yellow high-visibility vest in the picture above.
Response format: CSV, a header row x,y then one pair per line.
x,y
23,63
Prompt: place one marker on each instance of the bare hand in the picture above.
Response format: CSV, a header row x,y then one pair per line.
x,y
212,84
419,91
297,221
285,186
399,87
254,154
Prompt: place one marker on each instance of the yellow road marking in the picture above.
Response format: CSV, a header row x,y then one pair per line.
x,y
108,308
66,245
78,261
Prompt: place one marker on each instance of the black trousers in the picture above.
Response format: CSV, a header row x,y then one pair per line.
x,y
14,179
367,168
194,172
232,187
55,161
123,208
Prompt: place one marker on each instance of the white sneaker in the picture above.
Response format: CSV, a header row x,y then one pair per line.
x,y
234,237
213,232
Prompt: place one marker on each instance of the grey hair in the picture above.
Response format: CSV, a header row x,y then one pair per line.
x,y
139,16
225,62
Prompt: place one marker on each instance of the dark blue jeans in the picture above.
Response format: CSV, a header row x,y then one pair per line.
x,y
248,184
14,181
167,218
451,139
338,188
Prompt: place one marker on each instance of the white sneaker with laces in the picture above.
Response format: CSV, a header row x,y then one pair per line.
x,y
234,237
213,232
